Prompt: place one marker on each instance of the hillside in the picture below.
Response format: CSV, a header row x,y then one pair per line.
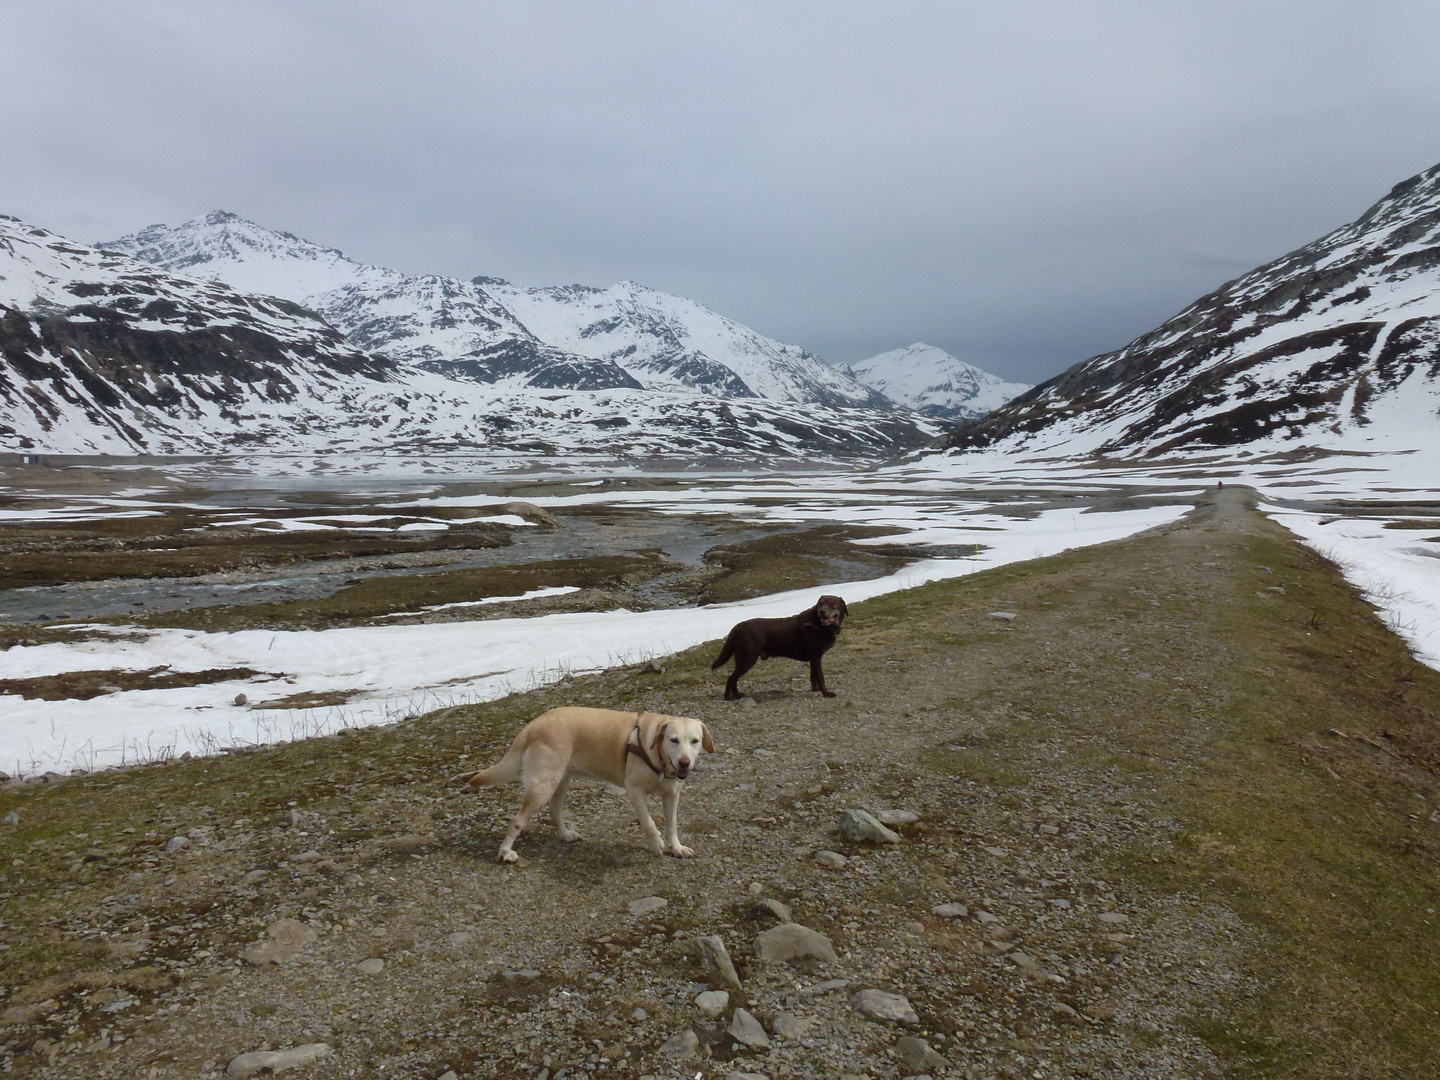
x,y
1336,344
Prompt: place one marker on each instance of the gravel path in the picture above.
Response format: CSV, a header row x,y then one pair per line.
x,y
1031,721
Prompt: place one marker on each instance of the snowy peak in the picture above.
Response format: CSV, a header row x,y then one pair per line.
x,y
930,380
1335,344
491,331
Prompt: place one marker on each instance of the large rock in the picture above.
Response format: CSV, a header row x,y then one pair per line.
x,y
717,960
746,1030
791,941
916,1055
684,1045
276,1060
879,1005
858,825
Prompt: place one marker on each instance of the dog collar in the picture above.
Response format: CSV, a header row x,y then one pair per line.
x,y
637,748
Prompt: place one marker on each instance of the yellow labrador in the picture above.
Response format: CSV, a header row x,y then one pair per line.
x,y
644,753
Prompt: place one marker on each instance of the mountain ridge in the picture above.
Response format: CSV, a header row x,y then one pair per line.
x,y
930,380
1335,343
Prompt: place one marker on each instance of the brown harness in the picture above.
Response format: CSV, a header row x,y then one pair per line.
x,y
638,749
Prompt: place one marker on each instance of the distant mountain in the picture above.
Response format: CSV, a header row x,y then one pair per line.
x,y
101,353
568,337
1335,344
931,381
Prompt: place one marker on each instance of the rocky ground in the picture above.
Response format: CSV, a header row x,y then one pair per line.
x,y
1163,808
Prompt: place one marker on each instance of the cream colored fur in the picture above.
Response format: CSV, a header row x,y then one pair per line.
x,y
564,743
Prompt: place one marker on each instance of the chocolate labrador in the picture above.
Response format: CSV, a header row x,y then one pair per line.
x,y
803,637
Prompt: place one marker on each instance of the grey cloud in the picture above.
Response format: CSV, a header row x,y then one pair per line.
x,y
1021,184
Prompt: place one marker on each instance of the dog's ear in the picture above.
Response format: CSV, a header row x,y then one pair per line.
x,y
657,741
705,740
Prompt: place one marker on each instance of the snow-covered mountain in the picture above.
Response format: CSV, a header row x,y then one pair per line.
x,y
1335,345
103,353
930,380
568,337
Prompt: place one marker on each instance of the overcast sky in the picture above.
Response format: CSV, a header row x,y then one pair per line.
x,y
1022,184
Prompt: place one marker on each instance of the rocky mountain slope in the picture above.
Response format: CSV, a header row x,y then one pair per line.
x,y
1335,344
931,381
104,353
490,330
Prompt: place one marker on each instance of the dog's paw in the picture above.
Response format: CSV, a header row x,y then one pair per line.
x,y
683,852
827,693
569,835
509,856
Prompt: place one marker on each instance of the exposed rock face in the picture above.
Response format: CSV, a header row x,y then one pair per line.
x,y
1314,347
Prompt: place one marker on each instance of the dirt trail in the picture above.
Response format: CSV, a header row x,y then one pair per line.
x,y
1123,768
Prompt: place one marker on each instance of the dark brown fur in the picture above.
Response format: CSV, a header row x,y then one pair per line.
x,y
804,637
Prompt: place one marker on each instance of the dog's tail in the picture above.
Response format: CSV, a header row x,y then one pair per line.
x,y
726,652
502,772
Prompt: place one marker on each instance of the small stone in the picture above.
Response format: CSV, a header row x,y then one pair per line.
x,y
241,699
12,818
746,702
778,908
295,818
897,817
276,1060
639,1015
1003,616
373,966
291,932
789,1026
825,987
913,926
255,875
1024,961
449,1074
858,825
307,856
712,1002
1115,917
878,1005
916,1055
986,918
755,888
791,941
1065,1014
951,911
1050,830
460,938
1100,1011
520,975
761,752
647,904
831,860
681,1046
652,667
746,1030
998,852
717,959
177,843
743,1076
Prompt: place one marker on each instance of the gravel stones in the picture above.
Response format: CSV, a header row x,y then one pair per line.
x,y
276,1060
647,905
951,911
860,826
746,1030
917,1056
879,1005
791,941
712,1002
717,960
